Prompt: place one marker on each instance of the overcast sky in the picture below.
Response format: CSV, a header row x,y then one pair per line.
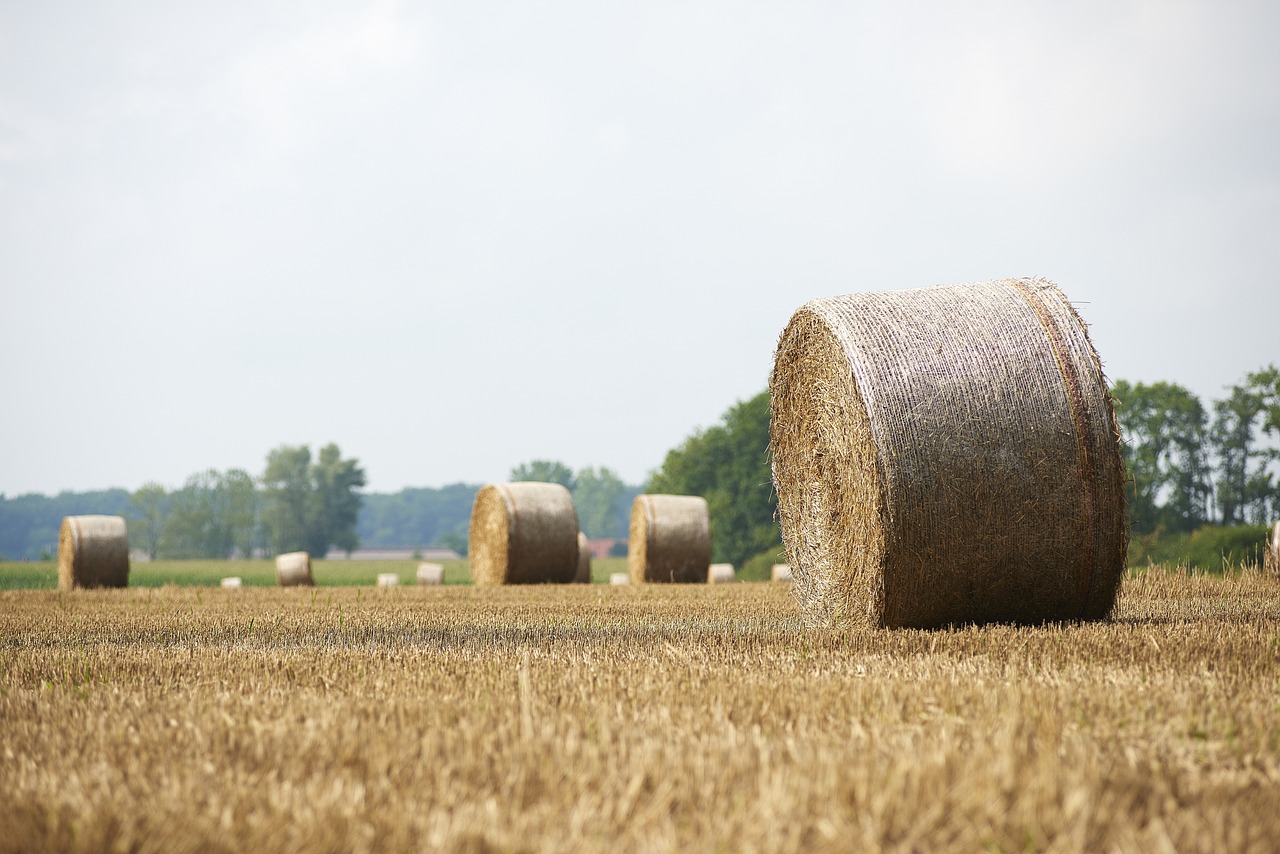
x,y
453,237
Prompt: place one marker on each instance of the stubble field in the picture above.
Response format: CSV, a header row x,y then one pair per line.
x,y
647,719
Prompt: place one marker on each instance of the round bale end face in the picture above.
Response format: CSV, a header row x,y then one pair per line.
x,y
523,533
93,551
293,569
947,455
670,539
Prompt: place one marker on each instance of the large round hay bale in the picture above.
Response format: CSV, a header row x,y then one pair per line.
x,y
523,533
583,575
293,569
947,455
93,551
670,539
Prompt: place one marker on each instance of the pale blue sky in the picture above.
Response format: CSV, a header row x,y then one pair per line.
x,y
453,237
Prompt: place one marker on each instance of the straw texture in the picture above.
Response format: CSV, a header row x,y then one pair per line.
x,y
93,551
947,455
670,539
523,533
583,575
293,569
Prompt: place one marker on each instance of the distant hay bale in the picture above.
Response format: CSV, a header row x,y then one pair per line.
x,y
781,572
293,569
388,579
947,455
231,583
619,579
720,573
430,573
583,575
1273,553
670,539
93,551
523,533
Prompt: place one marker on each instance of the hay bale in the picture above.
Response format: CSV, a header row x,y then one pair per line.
x,y
1273,553
670,539
720,573
388,579
583,575
619,579
781,572
93,551
523,533
947,455
431,573
293,569
231,583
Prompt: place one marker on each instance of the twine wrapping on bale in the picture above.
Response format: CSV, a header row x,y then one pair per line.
x,y
947,455
523,533
720,573
670,539
293,569
583,575
430,573
93,551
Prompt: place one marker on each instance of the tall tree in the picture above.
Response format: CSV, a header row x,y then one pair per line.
x,y
544,471
311,506
598,495
150,505
335,503
197,525
242,510
1246,489
1164,427
728,464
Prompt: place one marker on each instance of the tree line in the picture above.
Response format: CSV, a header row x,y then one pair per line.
x,y
1190,465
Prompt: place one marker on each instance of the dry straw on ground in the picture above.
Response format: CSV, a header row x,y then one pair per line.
x,y
430,573
583,575
293,569
93,551
523,533
670,539
947,455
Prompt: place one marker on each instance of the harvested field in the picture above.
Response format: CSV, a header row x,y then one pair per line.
x,y
645,718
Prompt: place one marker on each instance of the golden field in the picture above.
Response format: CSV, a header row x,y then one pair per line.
x,y
653,718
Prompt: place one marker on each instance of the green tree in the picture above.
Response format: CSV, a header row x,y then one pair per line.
x,y
286,485
150,506
1246,490
544,471
598,495
242,510
728,464
198,519
1165,431
311,506
335,502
